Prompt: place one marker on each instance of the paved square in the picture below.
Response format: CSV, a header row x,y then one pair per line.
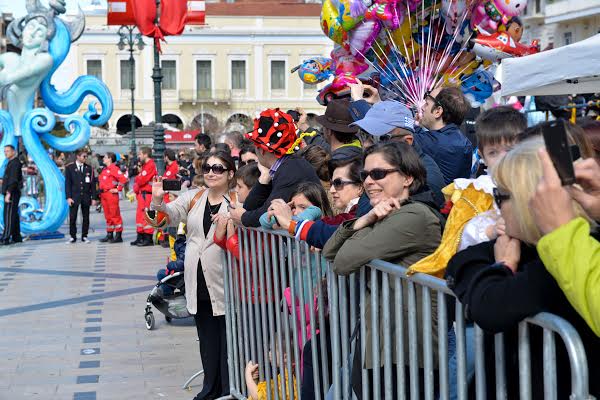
x,y
64,335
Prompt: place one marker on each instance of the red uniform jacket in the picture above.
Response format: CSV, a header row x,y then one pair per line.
x,y
171,171
111,177
143,181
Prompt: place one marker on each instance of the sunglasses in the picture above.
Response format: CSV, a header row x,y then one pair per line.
x,y
217,169
338,183
376,174
500,197
242,163
429,96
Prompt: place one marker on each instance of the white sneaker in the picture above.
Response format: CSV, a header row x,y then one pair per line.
x,y
85,240
71,241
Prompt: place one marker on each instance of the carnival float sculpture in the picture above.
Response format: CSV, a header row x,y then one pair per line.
x,y
45,40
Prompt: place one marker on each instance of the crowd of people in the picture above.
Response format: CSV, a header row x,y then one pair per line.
x,y
374,181
370,179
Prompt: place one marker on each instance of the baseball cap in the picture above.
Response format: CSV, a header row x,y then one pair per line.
x,y
385,116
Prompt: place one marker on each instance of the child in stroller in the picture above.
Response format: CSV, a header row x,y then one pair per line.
x,y
168,296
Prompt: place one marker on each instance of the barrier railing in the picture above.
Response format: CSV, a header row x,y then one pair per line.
x,y
374,334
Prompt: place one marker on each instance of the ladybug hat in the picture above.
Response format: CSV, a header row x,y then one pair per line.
x,y
275,132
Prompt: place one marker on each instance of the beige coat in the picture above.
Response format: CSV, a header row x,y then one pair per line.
x,y
198,247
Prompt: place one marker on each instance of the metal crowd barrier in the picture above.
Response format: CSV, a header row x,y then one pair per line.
x,y
281,316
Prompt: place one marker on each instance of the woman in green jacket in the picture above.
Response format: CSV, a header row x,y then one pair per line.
x,y
397,230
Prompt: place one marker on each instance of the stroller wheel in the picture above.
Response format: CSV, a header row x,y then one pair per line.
x,y
150,321
168,319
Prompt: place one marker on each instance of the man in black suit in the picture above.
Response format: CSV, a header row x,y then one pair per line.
x,y
80,189
12,182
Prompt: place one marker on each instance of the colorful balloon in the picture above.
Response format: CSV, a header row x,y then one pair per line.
x,y
385,11
345,17
362,37
488,15
478,87
315,70
330,24
346,62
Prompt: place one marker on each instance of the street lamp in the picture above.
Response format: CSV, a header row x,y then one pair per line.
x,y
129,38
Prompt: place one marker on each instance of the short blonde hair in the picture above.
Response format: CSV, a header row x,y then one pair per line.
x,y
519,173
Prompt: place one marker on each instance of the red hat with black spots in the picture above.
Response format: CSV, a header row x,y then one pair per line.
x,y
274,131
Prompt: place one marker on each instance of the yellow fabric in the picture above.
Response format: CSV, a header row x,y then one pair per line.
x,y
466,204
172,256
262,389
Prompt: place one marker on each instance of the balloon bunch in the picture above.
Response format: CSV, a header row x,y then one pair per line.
x,y
412,46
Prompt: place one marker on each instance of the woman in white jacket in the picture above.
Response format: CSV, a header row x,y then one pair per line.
x,y
203,265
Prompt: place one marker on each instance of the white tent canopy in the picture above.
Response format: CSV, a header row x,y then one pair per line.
x,y
566,70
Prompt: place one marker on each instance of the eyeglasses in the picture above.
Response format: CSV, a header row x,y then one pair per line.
x,y
376,174
250,161
217,169
435,100
338,183
500,197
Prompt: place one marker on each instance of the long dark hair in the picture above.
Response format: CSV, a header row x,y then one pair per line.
x,y
315,193
402,156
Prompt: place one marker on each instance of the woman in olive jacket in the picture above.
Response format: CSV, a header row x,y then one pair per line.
x,y
397,229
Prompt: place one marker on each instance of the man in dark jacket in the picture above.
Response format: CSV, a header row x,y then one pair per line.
x,y
12,182
441,138
274,135
391,120
80,190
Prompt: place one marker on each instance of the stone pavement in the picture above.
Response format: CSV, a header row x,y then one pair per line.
x,y
72,322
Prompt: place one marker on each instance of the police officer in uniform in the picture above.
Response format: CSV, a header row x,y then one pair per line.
x,y
80,189
12,182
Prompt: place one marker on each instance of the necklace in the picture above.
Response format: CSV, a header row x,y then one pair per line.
x,y
214,209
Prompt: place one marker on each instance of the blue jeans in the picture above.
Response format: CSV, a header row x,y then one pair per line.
x,y
452,359
166,289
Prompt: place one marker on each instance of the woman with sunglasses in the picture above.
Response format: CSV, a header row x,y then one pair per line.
x,y
397,229
504,281
201,209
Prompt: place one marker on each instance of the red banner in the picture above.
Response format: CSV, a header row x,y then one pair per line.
x,y
173,16
120,12
196,12
145,16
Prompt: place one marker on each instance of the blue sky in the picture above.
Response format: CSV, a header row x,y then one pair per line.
x,y
17,7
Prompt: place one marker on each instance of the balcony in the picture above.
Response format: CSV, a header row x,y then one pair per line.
x,y
215,96
568,10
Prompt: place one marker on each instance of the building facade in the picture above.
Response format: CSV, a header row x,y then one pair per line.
x,y
559,23
215,77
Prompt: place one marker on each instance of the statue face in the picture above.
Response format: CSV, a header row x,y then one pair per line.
x,y
34,34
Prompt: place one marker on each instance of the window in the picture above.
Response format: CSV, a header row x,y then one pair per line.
x,y
94,68
126,72
277,75
204,78
568,38
238,75
169,72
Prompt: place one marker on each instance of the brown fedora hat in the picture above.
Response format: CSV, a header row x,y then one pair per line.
x,y
337,117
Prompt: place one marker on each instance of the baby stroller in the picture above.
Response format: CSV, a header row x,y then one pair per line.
x,y
172,305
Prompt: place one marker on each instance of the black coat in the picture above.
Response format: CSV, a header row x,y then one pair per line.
x,y
291,173
496,299
12,181
81,187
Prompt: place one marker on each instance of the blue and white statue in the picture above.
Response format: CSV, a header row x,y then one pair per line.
x,y
45,41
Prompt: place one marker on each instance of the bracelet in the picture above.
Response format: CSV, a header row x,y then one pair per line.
x,y
292,227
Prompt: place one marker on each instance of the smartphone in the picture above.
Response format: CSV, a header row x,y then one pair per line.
x,y
171,185
555,137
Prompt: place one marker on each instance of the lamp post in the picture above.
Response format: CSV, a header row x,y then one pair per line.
x,y
159,131
128,37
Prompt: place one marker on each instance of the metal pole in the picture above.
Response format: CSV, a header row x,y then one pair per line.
x,y
159,132
132,87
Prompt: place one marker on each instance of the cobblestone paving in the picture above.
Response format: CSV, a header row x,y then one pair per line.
x,y
72,322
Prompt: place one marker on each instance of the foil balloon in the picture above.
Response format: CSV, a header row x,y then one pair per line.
x,y
453,12
330,23
385,11
362,37
347,20
488,15
346,62
478,87
315,70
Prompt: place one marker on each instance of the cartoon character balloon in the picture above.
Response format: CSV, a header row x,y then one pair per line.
x,y
490,14
478,87
315,70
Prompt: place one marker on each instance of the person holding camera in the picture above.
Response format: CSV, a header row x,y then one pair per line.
x,y
110,182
